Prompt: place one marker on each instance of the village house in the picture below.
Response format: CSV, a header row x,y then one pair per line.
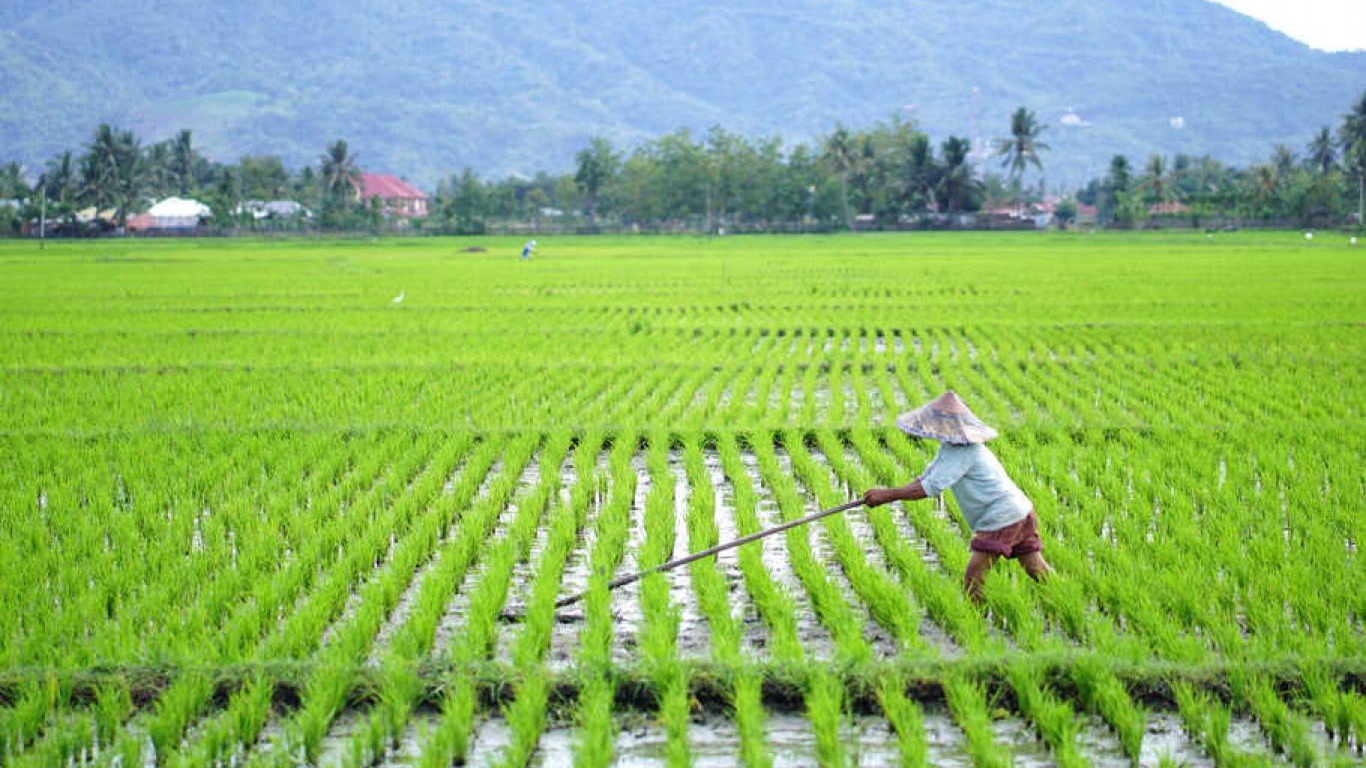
x,y
396,196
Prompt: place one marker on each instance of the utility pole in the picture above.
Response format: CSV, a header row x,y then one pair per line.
x,y
42,213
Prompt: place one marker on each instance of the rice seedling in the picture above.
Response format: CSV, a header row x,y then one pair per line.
x,y
232,480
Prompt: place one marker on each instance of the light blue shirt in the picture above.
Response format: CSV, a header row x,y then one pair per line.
x,y
987,497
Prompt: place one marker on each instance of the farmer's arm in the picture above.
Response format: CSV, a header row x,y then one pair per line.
x,y
948,465
912,491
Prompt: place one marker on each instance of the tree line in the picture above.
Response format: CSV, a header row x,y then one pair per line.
x,y
889,175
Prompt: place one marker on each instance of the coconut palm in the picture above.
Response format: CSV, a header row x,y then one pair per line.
x,y
1022,149
62,185
1323,151
113,170
1283,160
957,186
340,174
1352,135
1156,180
183,157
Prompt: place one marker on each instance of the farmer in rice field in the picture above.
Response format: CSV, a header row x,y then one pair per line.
x,y
1001,518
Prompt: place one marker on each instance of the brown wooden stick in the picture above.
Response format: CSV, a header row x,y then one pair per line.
x,y
672,564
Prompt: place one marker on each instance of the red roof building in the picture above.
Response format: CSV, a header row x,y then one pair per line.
x,y
396,196
1168,209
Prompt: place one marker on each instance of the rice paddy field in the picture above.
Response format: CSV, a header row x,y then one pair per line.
x,y
312,502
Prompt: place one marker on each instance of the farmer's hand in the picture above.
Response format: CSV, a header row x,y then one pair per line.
x,y
876,497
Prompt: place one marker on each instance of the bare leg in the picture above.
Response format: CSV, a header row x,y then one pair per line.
x,y
1034,565
978,566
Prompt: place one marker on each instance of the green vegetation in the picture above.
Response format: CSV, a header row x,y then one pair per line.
x,y
891,175
256,509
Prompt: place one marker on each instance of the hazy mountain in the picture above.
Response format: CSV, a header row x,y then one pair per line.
x,y
426,88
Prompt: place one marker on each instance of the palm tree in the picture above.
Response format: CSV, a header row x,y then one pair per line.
x,y
340,175
1156,179
957,186
1119,173
920,172
1023,147
113,170
61,185
1323,151
1352,134
839,150
183,158
1283,160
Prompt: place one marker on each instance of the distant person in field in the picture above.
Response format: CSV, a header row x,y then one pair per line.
x,y
1001,517
528,248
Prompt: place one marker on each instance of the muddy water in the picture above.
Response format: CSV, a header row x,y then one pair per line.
x,y
565,633
881,641
694,634
626,600
454,617
1099,744
1028,749
713,742
399,616
815,639
525,570
755,636
944,741
1166,738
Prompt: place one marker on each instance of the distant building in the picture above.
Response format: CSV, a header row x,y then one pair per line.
x,y
178,213
396,196
1168,209
274,209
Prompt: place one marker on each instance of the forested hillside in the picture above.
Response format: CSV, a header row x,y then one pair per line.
x,y
424,89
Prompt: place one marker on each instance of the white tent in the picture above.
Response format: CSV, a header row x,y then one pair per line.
x,y
179,213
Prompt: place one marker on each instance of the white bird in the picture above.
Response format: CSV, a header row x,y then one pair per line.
x,y
399,298
1308,235
1354,239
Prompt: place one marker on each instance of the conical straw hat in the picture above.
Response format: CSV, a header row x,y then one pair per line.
x,y
946,418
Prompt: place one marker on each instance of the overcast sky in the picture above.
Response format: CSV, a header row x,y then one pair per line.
x,y
1329,25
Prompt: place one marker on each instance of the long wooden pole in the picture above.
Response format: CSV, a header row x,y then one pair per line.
x,y
672,564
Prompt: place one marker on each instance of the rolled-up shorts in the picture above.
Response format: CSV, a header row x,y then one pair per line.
x,y
1011,541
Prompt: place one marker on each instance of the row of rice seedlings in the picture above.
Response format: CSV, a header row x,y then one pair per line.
x,y
103,601
658,639
887,603
21,722
967,702
775,605
1052,719
1343,712
448,741
1103,693
334,667
248,709
400,688
906,718
1207,721
713,595
189,695
844,624
593,659
1287,730
526,714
